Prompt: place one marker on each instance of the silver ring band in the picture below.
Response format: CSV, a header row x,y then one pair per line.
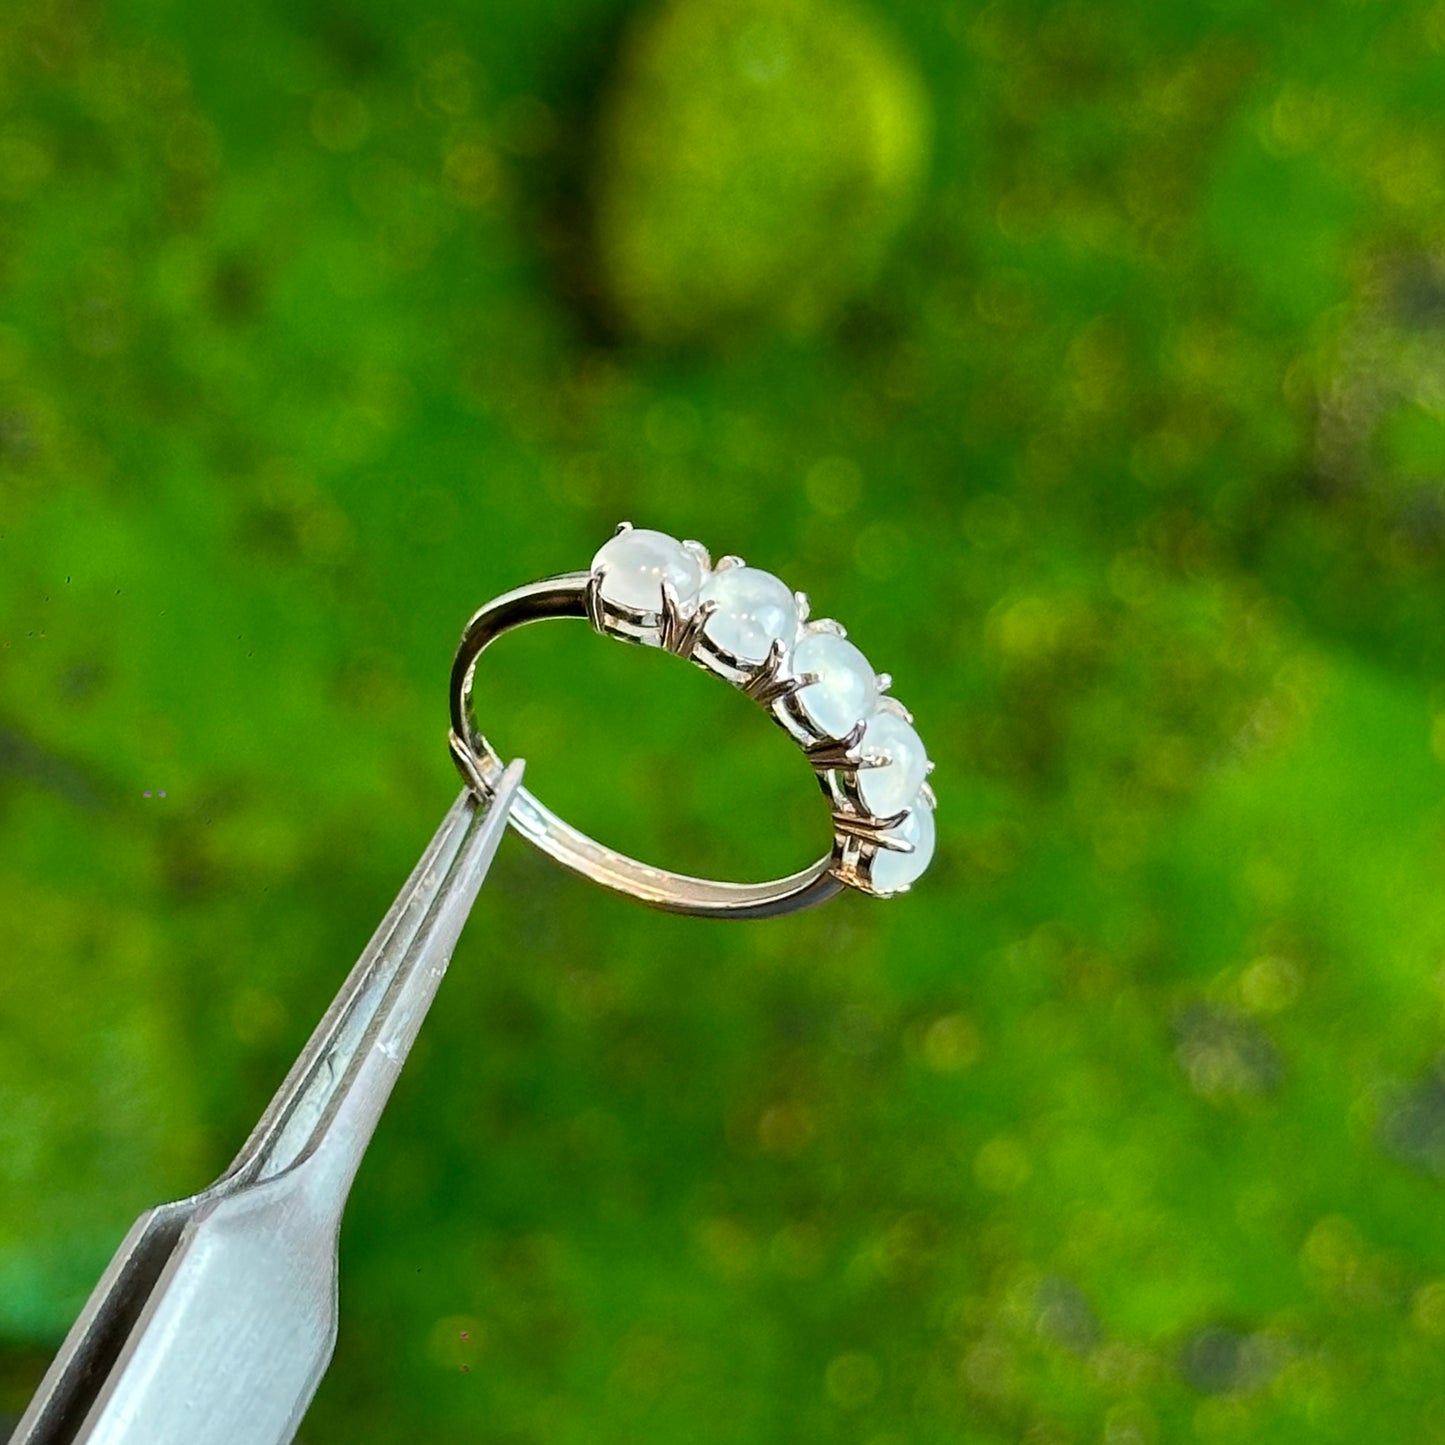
x,y
681,628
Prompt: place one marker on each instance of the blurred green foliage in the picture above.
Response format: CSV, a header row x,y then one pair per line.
x,y
753,161
1124,456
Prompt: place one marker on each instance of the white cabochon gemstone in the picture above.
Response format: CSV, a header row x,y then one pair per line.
x,y
893,870
847,688
754,610
889,789
635,563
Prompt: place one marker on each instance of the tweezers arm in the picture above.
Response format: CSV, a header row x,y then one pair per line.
x,y
217,1317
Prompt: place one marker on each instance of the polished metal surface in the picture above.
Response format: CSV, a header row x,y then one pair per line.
x,y
217,1317
574,595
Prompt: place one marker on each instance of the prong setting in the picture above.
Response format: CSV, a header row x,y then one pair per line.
x,y
772,682
594,599
679,630
826,754
878,831
679,624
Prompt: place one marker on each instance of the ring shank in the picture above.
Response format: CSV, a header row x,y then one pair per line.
x,y
566,596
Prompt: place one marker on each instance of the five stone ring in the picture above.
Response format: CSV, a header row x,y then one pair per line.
x,y
745,626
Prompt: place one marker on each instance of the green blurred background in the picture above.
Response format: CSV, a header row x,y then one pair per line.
x,y
1087,359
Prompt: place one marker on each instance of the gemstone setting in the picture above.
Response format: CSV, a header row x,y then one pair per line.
x,y
890,787
753,610
846,690
894,871
746,626
636,563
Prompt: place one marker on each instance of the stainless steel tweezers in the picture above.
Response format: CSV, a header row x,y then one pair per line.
x,y
217,1317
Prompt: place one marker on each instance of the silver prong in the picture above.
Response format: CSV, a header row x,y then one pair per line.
x,y
873,830
891,704
700,552
680,634
621,528
699,619
854,827
803,604
836,753
885,681
594,601
875,758
671,615
768,684
928,771
927,794
725,564
827,624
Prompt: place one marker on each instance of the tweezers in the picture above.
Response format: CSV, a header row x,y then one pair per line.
x,y
217,1317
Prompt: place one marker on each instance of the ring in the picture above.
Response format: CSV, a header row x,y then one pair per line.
x,y
746,626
